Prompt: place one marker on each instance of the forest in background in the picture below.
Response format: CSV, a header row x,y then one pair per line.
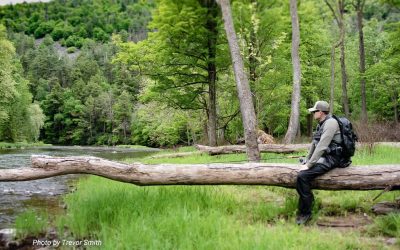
x,y
154,73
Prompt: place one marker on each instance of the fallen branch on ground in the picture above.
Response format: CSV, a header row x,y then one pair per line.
x,y
275,174
174,155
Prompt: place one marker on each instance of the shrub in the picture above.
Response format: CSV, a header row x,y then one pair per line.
x,y
73,41
43,29
71,50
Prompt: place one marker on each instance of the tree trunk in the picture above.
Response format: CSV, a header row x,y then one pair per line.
x,y
272,148
359,8
284,175
211,25
395,108
332,96
242,84
295,109
345,98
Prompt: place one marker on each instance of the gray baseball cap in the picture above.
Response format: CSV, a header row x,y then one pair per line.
x,y
320,105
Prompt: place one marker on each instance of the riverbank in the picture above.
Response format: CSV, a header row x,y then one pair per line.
x,y
22,145
124,216
32,198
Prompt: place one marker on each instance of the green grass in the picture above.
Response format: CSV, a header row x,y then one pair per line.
x,y
194,217
31,223
124,216
16,145
388,225
133,146
381,155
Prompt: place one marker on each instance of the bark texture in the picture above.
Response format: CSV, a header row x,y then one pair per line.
x,y
295,108
359,6
212,27
351,178
242,85
273,148
345,98
332,85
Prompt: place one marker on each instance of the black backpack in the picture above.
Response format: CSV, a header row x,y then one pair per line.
x,y
349,138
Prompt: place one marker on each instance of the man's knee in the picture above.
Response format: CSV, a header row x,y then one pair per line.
x,y
302,176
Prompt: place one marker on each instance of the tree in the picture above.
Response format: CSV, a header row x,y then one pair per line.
x,y
295,110
123,109
8,84
262,33
36,120
180,57
242,84
338,14
19,119
359,6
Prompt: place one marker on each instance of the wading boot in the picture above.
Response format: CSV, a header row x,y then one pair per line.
x,y
303,219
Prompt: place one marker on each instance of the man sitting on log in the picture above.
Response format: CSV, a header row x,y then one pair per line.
x,y
324,155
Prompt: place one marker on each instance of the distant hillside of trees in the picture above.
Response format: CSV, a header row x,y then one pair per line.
x,y
84,100
72,22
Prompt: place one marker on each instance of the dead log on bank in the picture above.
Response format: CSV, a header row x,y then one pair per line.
x,y
275,174
174,155
272,148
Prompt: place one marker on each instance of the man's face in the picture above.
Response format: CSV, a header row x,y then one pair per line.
x,y
317,115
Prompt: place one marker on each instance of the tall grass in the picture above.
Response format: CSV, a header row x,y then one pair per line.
x,y
197,217
31,223
388,225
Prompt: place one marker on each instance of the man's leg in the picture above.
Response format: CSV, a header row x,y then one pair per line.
x,y
303,187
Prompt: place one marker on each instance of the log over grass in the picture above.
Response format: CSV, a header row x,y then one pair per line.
x,y
272,148
275,174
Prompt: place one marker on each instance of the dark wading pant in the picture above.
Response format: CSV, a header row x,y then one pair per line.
x,y
304,179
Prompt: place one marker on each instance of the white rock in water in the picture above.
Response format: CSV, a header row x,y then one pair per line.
x,y
7,234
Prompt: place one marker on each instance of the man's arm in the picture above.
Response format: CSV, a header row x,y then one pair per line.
x,y
311,151
329,130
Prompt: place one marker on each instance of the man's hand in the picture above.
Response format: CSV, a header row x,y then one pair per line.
x,y
302,160
303,167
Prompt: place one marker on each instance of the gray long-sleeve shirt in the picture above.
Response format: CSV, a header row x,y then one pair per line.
x,y
330,132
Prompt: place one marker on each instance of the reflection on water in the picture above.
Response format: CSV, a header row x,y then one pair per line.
x,y
16,197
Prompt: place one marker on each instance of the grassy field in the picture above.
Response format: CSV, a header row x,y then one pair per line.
x,y
125,216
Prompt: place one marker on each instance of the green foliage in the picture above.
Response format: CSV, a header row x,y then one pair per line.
x,y
71,50
73,41
43,29
159,126
19,119
63,30
181,35
62,20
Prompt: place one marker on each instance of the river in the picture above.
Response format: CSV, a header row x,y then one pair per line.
x,y
16,197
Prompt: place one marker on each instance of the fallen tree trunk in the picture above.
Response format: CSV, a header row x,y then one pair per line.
x,y
174,155
351,178
272,148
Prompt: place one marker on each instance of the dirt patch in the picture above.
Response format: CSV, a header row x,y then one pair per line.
x,y
352,221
